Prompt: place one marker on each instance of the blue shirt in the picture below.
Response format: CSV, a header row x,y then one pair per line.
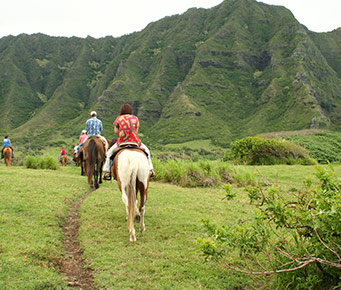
x,y
93,126
6,142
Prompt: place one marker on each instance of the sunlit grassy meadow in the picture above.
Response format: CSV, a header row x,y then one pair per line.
x,y
34,204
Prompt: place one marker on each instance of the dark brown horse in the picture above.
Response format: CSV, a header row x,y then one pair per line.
x,y
7,152
132,174
94,156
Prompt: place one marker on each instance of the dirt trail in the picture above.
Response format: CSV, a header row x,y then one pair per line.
x,y
73,264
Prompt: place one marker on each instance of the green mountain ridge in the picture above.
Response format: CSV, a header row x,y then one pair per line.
x,y
240,68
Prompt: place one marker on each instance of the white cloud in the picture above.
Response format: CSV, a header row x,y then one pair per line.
x,y
116,17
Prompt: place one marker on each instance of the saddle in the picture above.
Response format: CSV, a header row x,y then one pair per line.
x,y
96,137
127,145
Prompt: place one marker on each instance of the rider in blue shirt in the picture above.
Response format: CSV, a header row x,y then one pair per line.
x,y
93,127
7,143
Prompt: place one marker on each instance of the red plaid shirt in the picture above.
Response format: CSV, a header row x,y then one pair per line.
x,y
127,127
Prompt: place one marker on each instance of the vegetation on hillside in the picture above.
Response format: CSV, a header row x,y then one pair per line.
x,y
323,146
238,69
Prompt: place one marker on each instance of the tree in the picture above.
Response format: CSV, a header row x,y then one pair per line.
x,y
296,235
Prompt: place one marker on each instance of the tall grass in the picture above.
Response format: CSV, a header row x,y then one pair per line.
x,y
259,151
202,173
41,162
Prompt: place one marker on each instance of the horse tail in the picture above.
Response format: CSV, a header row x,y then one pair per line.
x,y
92,160
7,152
131,194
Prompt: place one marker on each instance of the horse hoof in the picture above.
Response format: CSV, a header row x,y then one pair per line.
x,y
137,218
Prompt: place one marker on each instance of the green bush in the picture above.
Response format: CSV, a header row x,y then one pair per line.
x,y
296,236
41,162
259,151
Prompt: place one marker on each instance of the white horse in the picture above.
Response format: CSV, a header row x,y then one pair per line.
x,y
131,170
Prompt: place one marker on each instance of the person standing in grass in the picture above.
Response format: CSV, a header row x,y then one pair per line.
x,y
126,126
7,143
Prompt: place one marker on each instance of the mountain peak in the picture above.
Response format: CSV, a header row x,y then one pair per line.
x,y
237,69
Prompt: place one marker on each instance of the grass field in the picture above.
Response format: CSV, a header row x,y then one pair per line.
x,y
34,206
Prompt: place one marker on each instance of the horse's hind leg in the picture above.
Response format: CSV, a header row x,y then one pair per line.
x,y
100,172
131,229
125,201
96,178
137,212
142,225
90,180
143,197
130,213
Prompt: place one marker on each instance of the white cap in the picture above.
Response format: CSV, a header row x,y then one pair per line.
x,y
93,113
83,131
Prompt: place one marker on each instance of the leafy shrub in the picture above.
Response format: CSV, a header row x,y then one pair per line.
x,y
258,151
297,237
41,162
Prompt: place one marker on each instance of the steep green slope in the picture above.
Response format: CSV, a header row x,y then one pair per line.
x,y
259,72
240,68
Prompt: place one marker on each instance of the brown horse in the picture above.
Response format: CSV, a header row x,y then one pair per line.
x,y
94,156
7,152
76,159
79,160
132,174
63,160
